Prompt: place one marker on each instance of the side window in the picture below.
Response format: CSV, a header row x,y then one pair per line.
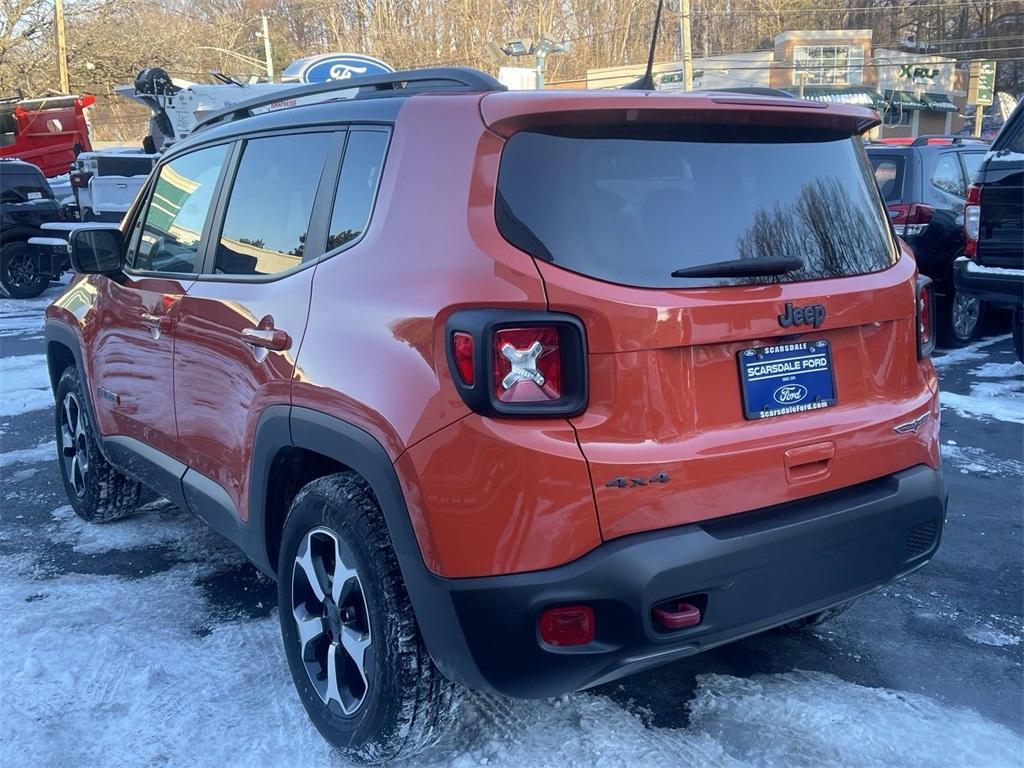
x,y
357,186
271,203
948,177
972,162
889,175
1011,137
177,210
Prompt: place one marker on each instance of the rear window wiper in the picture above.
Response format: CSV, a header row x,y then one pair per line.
x,y
762,266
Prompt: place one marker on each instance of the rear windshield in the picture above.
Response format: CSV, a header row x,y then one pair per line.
x,y
631,205
16,187
888,174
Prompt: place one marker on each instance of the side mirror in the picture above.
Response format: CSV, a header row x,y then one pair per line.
x,y
96,251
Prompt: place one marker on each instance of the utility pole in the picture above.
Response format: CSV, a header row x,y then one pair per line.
x,y
684,34
979,116
266,46
62,47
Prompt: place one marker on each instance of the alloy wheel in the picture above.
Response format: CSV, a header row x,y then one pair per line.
x,y
965,313
74,452
332,620
23,270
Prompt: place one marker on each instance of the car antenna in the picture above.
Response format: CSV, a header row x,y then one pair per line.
x,y
646,83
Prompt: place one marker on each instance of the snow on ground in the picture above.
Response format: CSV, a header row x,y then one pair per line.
x,y
1001,399
41,452
976,461
148,663
23,317
24,385
964,354
992,636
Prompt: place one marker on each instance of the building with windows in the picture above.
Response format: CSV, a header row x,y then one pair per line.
x,y
914,93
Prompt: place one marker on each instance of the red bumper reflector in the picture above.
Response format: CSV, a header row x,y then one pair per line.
x,y
568,625
677,616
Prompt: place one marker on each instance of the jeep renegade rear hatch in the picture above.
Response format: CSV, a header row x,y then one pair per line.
x,y
782,359
633,204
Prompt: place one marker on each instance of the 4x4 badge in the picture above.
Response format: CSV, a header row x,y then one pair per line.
x,y
629,482
812,314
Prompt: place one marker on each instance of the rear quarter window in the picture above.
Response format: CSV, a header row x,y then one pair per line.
x,y
888,170
631,204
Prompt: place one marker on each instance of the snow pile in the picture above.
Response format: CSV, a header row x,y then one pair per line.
x,y
24,385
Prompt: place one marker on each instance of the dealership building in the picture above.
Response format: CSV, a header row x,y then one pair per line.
x,y
916,93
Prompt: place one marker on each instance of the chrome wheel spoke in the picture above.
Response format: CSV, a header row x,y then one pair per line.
x,y
333,693
355,645
310,569
342,578
310,627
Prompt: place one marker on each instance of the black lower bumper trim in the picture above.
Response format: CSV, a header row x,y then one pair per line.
x,y
757,569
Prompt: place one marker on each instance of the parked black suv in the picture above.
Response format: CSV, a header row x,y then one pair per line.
x,y
26,202
924,185
993,267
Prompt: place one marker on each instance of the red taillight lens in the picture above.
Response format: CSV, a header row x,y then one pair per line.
x,y
568,625
972,220
462,350
85,101
78,180
527,364
925,317
910,218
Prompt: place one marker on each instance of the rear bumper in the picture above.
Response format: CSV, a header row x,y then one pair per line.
x,y
757,569
1002,286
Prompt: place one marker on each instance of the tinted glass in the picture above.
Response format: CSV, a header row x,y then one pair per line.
x,y
972,162
948,177
889,175
357,186
1011,137
630,205
19,187
177,211
271,203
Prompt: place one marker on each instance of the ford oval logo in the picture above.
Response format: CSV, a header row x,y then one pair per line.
x,y
789,394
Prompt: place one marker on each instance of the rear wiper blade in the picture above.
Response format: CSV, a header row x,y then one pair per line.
x,y
762,266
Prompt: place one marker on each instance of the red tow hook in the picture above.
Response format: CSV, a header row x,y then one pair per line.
x,y
677,616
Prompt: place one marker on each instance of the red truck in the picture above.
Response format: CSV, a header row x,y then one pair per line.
x,y
47,132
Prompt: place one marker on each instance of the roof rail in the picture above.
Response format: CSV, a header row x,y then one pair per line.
x,y
754,90
406,81
953,138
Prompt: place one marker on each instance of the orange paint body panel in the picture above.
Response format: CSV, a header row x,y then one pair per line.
x,y
488,496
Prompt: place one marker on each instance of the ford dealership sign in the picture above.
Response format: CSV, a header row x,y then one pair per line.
x,y
333,66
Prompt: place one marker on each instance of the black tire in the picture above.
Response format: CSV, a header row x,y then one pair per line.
x,y
1018,333
816,619
97,492
21,274
405,704
960,319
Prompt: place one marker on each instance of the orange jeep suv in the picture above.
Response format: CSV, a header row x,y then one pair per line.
x,y
516,392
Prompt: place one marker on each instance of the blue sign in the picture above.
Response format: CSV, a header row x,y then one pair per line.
x,y
333,66
788,378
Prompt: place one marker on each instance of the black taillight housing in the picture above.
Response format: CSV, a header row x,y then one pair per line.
x,y
925,316
516,363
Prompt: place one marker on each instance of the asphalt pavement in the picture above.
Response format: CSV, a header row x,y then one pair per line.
x,y
150,641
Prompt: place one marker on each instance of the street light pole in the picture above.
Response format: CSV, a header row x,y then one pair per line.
x,y
62,47
266,46
684,34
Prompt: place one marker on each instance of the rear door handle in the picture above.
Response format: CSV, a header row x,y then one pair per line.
x,y
157,323
266,338
809,462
